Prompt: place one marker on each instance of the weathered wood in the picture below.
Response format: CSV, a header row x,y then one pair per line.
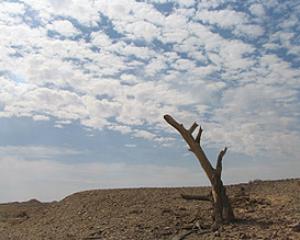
x,y
198,138
196,197
228,215
193,127
194,146
183,235
219,161
222,209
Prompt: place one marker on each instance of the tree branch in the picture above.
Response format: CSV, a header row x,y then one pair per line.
x,y
219,162
196,197
198,138
193,127
194,146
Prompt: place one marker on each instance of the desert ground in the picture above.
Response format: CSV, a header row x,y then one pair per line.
x,y
264,210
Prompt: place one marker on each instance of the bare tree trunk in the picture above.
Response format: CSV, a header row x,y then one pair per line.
x,y
222,210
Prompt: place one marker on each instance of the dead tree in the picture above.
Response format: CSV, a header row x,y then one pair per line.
x,y
222,210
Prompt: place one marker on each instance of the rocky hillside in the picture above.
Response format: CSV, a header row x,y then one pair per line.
x,y
264,210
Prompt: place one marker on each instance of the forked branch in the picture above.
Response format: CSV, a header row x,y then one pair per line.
x,y
193,144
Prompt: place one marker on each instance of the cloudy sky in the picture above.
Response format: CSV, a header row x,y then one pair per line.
x,y
84,85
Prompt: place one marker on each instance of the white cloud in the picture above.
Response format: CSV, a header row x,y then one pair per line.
x,y
262,117
40,118
230,19
186,3
121,129
139,52
58,103
290,21
143,30
184,64
130,12
156,65
129,79
257,9
99,111
232,55
249,30
100,39
174,29
63,27
144,134
85,13
11,12
64,122
210,4
223,18
12,8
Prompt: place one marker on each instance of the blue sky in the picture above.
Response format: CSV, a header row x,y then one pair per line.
x,y
84,86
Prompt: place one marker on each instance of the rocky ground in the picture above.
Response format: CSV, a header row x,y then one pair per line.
x,y
264,210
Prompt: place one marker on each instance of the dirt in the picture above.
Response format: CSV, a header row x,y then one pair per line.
x,y
264,210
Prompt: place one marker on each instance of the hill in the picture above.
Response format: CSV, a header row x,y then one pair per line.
x,y
265,210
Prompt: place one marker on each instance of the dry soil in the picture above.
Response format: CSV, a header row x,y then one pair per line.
x,y
264,210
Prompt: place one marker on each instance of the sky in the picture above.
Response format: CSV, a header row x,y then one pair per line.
x,y
84,85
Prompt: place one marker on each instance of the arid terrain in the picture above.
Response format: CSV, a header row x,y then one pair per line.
x,y
264,210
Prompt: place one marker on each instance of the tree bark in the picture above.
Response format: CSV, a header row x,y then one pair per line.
x,y
222,209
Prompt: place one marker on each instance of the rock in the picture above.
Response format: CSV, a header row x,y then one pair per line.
x,y
243,236
296,227
217,234
22,214
135,211
166,231
166,211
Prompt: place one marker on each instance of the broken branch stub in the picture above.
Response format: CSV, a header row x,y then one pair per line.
x,y
198,138
193,127
219,161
